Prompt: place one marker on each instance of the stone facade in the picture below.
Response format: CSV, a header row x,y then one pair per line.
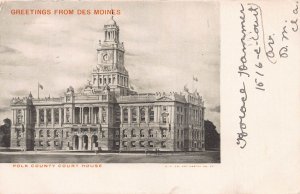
x,y
107,115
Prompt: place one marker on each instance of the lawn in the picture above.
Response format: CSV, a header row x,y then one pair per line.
x,y
44,157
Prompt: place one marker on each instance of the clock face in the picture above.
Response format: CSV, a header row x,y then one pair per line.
x,y
106,56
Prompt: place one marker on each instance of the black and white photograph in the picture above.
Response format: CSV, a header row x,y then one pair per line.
x,y
110,82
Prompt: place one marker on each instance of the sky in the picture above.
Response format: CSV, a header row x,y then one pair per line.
x,y
166,44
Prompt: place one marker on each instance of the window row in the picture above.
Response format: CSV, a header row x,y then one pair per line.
x,y
112,80
142,133
48,143
142,113
49,133
142,144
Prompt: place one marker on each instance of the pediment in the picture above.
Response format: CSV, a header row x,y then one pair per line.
x,y
18,102
164,98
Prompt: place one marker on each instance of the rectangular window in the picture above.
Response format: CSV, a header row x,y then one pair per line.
x,y
42,118
48,143
104,97
142,114
134,115
56,143
151,114
118,115
125,115
48,113
56,115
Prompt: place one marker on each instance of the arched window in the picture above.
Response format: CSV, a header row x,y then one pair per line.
x,y
125,115
124,133
55,133
142,133
150,132
133,133
142,115
41,133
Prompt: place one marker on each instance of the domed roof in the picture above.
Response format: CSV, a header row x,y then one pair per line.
x,y
111,21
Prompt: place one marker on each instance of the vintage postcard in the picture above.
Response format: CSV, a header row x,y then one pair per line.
x,y
149,97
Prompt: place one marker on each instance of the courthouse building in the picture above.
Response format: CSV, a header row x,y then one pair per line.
x,y
107,115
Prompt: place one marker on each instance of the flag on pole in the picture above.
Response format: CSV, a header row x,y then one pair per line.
x,y
40,86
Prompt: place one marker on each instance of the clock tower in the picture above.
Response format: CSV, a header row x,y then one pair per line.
x,y
110,69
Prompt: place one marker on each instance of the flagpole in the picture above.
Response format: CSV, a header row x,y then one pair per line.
x,y
38,90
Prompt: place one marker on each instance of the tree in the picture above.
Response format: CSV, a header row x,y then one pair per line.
x,y
5,133
212,137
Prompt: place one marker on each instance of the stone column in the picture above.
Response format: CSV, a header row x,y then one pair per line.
x,y
38,117
65,115
155,114
73,114
147,114
100,114
45,116
107,114
89,143
81,115
59,119
158,114
14,116
138,115
129,114
90,115
25,116
52,117
170,114
79,142
121,114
